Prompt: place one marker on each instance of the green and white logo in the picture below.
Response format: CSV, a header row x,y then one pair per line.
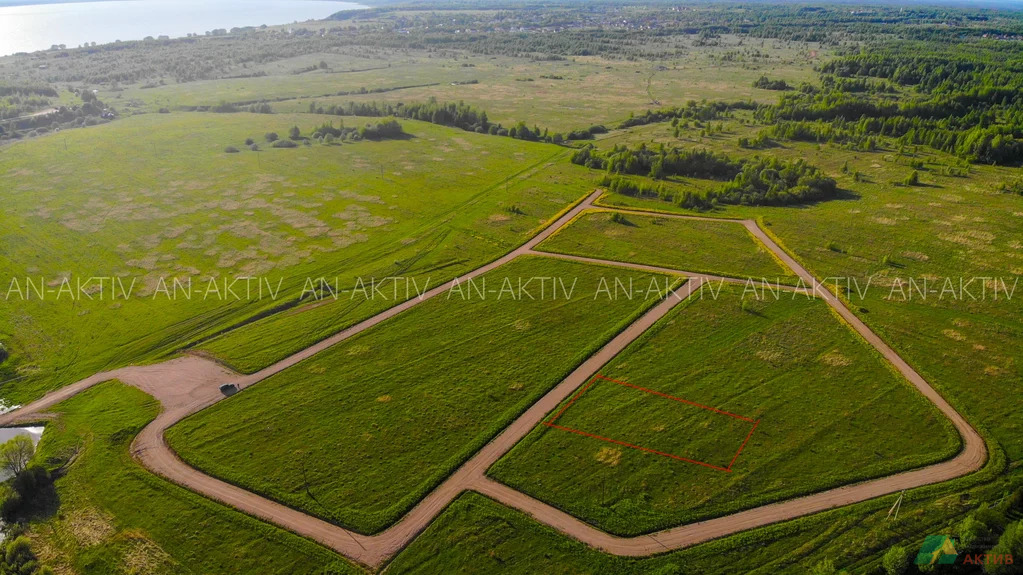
x,y
937,550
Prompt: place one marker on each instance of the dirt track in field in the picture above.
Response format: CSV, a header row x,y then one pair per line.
x,y
187,385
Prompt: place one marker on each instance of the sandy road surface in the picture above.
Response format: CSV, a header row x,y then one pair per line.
x,y
187,385
30,116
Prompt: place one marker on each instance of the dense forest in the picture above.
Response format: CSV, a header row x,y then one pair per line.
x,y
758,181
969,104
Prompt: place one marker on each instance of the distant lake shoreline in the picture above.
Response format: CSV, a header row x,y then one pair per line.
x,y
38,25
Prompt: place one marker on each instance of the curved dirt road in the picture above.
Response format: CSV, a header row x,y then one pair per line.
x,y
187,385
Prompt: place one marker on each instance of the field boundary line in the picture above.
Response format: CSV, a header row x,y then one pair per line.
x,y
598,377
187,385
673,271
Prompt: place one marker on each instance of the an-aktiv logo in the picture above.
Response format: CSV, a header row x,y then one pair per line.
x,y
985,558
937,550
941,550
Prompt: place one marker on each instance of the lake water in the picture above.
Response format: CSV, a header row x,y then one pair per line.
x,y
8,433
39,26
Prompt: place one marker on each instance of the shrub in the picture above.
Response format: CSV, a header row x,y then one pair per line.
x,y
231,150
1014,505
1013,188
17,557
285,144
747,307
271,137
1009,544
579,135
386,128
10,505
765,83
224,108
31,481
28,486
896,560
249,141
972,530
3,353
254,147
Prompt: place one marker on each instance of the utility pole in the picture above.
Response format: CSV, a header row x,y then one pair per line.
x,y
896,507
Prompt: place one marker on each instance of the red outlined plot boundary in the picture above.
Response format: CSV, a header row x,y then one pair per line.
x,y
595,378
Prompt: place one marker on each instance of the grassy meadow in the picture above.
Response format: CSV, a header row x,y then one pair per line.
x,y
561,95
954,237
829,413
476,535
723,248
360,432
155,197
494,221
101,527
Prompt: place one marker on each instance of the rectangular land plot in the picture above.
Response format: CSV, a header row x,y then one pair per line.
x,y
714,247
692,432
360,432
129,514
830,413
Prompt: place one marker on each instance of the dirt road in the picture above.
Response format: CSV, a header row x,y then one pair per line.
x,y
187,385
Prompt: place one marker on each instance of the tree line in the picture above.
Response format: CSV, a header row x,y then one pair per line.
x,y
965,103
703,111
90,112
757,181
456,115
327,133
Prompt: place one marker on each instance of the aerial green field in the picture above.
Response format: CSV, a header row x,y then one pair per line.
x,y
360,432
723,248
503,216
477,535
288,85
101,528
562,96
879,145
779,363
154,199
573,94
952,237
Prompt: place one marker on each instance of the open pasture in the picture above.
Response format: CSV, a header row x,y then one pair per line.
x,y
819,393
562,95
722,248
954,238
155,198
359,433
